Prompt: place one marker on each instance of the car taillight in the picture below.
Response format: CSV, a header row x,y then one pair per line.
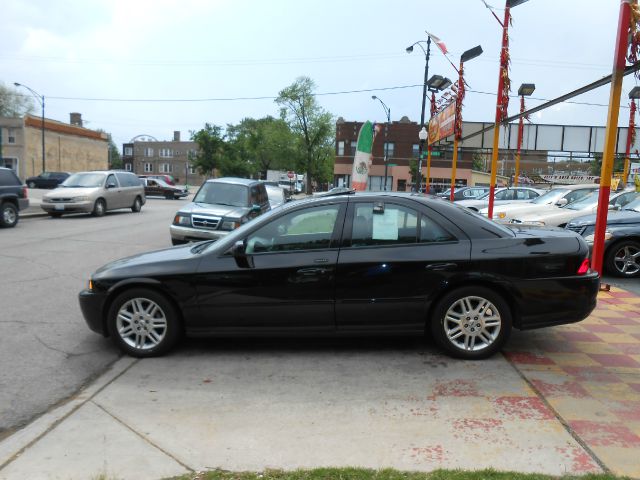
x,y
24,192
584,267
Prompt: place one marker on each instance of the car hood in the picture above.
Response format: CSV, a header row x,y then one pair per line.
x,y
214,210
169,261
70,192
614,217
516,209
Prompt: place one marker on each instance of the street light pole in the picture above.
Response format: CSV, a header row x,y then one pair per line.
x,y
525,90
41,100
427,53
387,111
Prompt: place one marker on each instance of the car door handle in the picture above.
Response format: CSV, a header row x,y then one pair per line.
x,y
321,260
441,266
307,272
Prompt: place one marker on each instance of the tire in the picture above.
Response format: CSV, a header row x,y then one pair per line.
x,y
99,208
623,259
143,323
453,328
169,196
55,214
137,205
31,185
8,215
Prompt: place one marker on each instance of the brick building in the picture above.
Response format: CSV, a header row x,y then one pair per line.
x,y
145,155
69,147
402,136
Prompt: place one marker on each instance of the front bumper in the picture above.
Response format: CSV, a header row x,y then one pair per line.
x,y
188,234
92,305
60,207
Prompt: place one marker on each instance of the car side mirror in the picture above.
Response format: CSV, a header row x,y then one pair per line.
x,y
239,253
562,202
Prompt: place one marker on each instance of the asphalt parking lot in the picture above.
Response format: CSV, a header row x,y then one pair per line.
x,y
559,400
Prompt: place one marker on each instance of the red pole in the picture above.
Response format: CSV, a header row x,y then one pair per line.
x,y
496,128
520,132
619,63
627,152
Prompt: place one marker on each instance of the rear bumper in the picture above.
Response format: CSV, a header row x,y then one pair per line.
x,y
556,301
92,305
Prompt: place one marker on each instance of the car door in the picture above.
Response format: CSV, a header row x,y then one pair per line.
x,y
113,193
290,283
394,257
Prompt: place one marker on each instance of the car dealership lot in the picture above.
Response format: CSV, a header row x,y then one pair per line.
x,y
562,400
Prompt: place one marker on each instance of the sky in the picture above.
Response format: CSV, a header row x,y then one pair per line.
x,y
149,67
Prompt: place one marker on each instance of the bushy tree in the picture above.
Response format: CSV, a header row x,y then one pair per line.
x,y
312,125
14,103
211,149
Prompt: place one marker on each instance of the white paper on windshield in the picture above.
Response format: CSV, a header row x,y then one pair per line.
x,y
385,226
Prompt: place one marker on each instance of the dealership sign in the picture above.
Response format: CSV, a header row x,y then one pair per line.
x,y
441,126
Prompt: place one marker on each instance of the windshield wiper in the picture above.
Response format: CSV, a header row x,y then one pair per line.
x,y
201,246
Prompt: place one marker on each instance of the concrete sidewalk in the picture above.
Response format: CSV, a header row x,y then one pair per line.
x,y
564,400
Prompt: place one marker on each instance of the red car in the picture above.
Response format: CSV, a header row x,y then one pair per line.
x,y
167,178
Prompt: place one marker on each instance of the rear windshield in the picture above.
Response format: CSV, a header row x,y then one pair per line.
x,y
217,193
84,180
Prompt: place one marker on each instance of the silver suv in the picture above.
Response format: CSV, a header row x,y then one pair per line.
x,y
95,193
220,206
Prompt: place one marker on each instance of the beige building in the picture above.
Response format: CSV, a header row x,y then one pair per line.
x,y
68,147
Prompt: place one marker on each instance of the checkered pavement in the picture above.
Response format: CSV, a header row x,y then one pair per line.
x,y
589,374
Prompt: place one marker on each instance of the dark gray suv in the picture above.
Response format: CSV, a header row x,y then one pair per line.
x,y
220,206
13,198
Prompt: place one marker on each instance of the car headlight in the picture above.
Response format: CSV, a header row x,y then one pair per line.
x,y
46,200
83,198
230,224
590,238
182,219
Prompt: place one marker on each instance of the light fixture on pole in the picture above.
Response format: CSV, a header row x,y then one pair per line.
x,y
525,90
503,96
435,84
634,94
457,132
424,99
387,111
41,100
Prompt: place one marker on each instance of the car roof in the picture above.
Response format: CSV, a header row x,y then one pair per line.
x,y
239,181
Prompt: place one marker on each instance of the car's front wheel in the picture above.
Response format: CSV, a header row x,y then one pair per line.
x,y
471,322
143,323
8,215
99,208
623,259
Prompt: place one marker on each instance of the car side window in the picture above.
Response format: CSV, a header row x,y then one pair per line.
x,y
532,194
111,181
500,195
389,224
308,229
431,232
577,195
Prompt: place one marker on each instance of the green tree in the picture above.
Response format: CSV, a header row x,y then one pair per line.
x,y
264,144
211,149
596,164
14,103
115,161
479,162
311,124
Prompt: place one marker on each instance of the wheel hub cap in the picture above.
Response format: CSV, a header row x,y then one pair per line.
x,y
472,323
141,323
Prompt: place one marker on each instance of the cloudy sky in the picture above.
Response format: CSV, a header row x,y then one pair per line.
x,y
136,67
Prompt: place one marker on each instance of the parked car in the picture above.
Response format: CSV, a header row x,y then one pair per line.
x,y
559,196
219,206
503,195
47,180
277,195
464,193
166,178
13,198
554,216
365,263
622,238
160,188
95,192
334,191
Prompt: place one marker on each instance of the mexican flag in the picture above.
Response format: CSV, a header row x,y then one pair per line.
x,y
362,159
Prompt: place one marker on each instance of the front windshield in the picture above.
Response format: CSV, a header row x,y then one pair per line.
x,y
84,180
588,201
217,193
552,196
634,206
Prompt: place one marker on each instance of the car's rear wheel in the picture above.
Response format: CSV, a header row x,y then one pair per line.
x,y
143,323
623,259
99,208
137,205
8,215
471,322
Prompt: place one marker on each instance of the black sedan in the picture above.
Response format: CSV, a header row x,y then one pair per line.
x,y
622,239
47,180
352,264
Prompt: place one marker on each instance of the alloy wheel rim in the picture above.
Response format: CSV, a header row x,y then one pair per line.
x,y
9,216
141,323
627,260
472,323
